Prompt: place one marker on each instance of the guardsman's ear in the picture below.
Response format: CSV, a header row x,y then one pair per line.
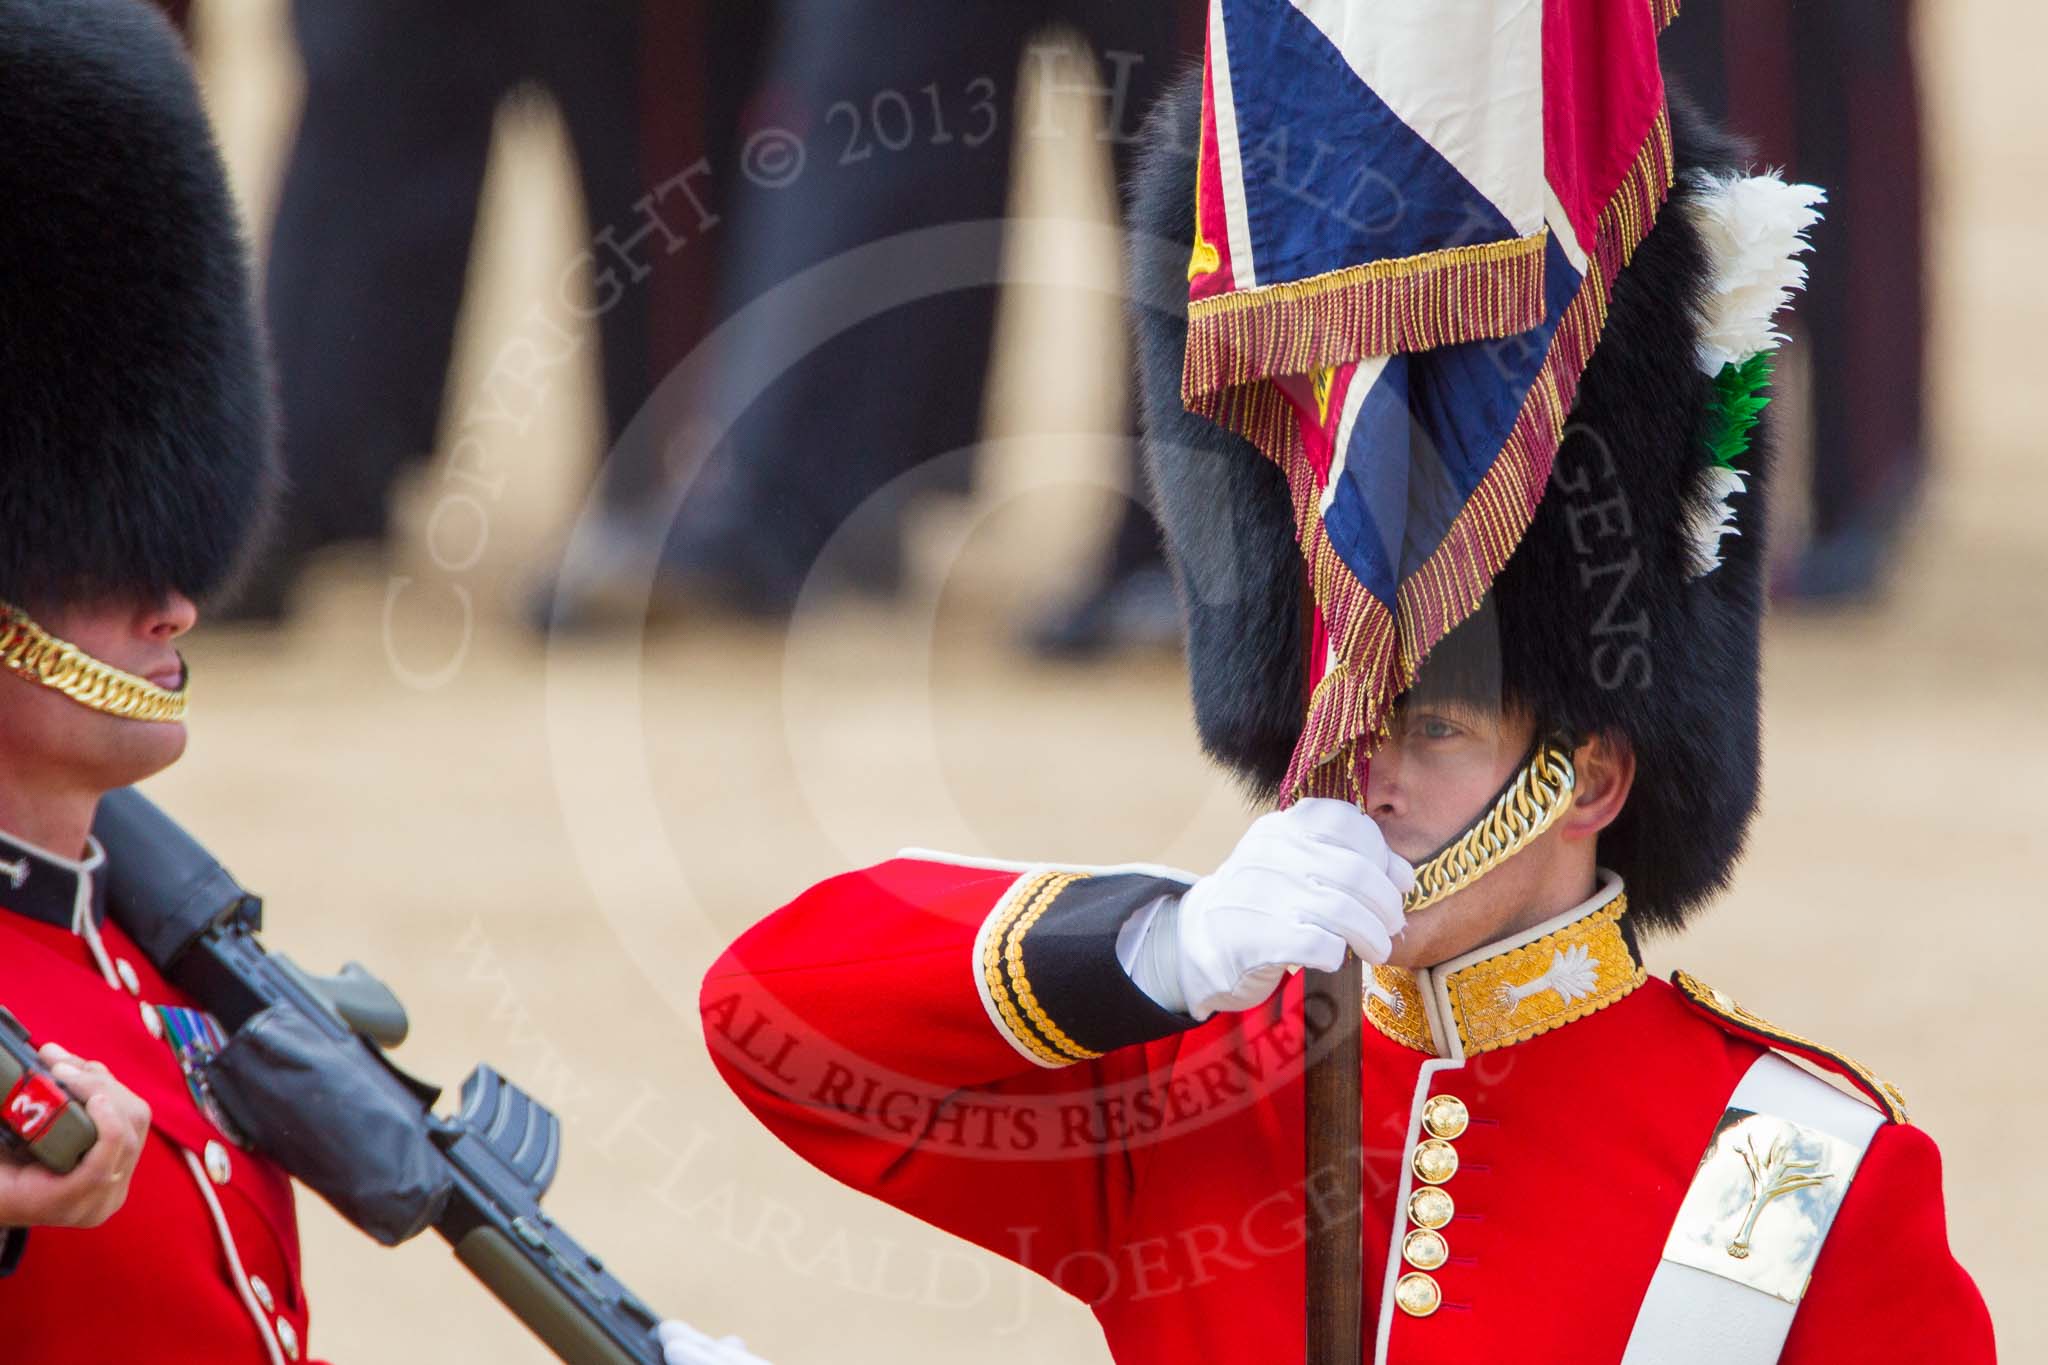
x,y
1606,767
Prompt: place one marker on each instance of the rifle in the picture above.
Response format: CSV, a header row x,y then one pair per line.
x,y
306,1078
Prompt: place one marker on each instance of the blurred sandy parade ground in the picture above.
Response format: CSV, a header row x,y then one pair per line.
x,y
542,845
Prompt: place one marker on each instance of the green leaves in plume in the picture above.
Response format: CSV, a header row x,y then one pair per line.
x,y
1741,391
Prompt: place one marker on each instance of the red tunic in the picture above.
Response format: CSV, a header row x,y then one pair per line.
x,y
154,1282
959,1041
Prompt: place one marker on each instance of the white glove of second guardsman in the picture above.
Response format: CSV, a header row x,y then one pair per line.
x,y
1303,885
682,1344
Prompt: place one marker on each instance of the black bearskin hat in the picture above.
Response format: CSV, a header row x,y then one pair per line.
x,y
1589,640
135,424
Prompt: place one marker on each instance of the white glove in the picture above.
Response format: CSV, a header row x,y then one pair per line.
x,y
1303,885
682,1344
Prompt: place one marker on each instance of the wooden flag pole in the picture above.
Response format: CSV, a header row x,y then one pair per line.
x,y
1334,1150
1333,1129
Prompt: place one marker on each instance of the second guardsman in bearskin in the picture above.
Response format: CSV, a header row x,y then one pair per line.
x,y
136,466
135,458
1097,1072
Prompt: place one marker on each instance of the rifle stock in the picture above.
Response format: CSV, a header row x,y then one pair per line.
x,y
558,1320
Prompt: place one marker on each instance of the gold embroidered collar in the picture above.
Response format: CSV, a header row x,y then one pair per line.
x,y
1514,988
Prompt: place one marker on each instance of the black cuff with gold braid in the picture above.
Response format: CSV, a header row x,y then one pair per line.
x,y
1048,971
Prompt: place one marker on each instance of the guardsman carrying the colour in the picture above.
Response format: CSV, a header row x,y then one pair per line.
x,y
1501,401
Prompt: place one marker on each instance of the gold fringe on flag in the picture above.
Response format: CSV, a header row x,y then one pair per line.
x,y
1389,307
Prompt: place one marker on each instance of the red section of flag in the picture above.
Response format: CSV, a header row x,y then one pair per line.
x,y
1601,92
1318,403
1210,273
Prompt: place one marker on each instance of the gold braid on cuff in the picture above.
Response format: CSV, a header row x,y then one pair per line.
x,y
1541,792
28,651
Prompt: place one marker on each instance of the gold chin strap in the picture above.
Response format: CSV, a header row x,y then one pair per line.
x,y
1541,792
28,651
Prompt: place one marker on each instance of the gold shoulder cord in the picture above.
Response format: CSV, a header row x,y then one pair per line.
x,y
1540,793
1719,1004
28,651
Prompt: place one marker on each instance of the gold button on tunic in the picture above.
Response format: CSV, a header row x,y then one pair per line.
x,y
1430,1207
1435,1161
1445,1116
1425,1250
1417,1294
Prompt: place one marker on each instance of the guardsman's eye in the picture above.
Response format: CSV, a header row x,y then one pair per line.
x,y
1436,727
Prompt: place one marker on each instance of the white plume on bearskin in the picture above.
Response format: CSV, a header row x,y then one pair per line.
x,y
1713,515
1755,229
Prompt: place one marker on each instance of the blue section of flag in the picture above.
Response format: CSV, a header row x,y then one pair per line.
x,y
1432,423
1368,506
1425,435
1312,203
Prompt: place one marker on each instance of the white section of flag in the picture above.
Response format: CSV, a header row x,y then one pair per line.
x,y
1465,75
1362,379
1229,165
1561,230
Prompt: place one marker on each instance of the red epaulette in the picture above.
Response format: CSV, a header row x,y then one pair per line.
x,y
1718,1006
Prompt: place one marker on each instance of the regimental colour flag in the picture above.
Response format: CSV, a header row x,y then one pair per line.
x,y
1408,219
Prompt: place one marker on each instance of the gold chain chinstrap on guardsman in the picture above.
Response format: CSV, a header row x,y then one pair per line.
x,y
1540,793
28,651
